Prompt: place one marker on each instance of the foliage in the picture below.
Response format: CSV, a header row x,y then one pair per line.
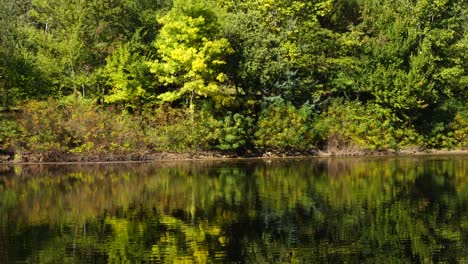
x,y
8,131
396,66
354,125
191,54
447,125
235,132
50,48
77,125
174,130
127,75
179,129
281,126
411,53
460,129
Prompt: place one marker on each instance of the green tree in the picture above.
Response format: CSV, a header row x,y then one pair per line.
x,y
55,37
284,49
413,53
127,76
122,35
19,78
59,46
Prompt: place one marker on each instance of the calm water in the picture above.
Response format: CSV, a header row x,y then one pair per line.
x,y
373,210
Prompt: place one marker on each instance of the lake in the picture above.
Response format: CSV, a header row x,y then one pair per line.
x,y
317,210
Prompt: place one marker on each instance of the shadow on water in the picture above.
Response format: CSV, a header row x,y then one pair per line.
x,y
356,210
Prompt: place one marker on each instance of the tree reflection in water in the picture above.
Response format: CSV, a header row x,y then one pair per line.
x,y
375,210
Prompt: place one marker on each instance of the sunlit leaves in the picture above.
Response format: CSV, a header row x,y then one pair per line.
x,y
282,126
191,54
127,76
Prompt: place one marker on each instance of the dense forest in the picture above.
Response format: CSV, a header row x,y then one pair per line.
x,y
249,76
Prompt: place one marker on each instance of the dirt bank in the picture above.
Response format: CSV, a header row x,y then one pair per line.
x,y
201,155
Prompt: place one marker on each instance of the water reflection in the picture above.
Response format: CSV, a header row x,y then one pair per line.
x,y
374,210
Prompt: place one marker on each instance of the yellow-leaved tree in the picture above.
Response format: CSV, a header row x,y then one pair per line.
x,y
191,54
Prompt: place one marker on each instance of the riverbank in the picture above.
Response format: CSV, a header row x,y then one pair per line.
x,y
79,130
203,155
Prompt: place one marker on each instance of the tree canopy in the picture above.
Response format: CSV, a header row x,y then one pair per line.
x,y
399,63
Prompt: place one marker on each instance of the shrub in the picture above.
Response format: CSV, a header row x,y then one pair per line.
x,y
445,125
8,132
354,126
39,127
459,126
74,124
180,129
185,129
281,127
235,132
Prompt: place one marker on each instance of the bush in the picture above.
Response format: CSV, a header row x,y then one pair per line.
x,y
445,125
182,129
8,132
282,127
459,126
76,125
39,127
235,132
347,126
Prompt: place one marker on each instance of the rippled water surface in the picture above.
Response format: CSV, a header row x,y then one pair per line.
x,y
352,210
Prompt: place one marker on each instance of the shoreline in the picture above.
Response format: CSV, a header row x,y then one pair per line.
x,y
141,157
